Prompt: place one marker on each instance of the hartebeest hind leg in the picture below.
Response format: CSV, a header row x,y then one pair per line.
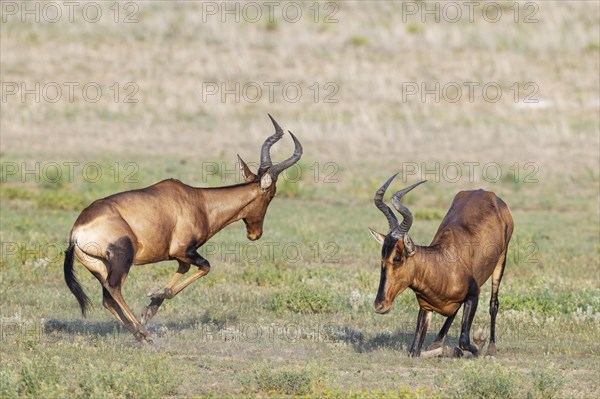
x,y
170,290
113,306
111,267
496,278
120,313
119,260
469,309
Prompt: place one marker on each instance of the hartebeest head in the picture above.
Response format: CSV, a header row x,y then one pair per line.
x,y
397,248
265,179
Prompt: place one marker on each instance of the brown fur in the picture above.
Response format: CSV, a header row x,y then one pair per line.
x,y
166,221
469,247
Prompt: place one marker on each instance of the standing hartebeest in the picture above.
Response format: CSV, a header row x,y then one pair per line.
x,y
469,247
169,220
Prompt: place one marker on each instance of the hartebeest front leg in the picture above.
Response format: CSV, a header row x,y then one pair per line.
x,y
171,289
438,342
150,310
422,324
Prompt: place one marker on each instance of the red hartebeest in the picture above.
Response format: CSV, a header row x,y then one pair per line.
x,y
169,220
469,247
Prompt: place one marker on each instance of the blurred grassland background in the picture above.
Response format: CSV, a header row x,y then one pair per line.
x,y
320,337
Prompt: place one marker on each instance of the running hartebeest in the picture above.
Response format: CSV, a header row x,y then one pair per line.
x,y
169,220
470,246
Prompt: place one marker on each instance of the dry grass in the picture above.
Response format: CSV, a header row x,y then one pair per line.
x,y
171,52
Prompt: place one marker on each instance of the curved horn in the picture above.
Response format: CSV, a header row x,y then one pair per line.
x,y
281,166
406,215
378,200
265,155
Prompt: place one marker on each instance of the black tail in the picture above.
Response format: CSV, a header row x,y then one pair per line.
x,y
72,281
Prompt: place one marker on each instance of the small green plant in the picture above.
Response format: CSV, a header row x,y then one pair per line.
x,y
414,29
429,214
267,275
485,380
286,382
545,301
592,47
302,299
61,200
8,385
545,384
358,41
272,25
399,393
289,189
40,378
16,193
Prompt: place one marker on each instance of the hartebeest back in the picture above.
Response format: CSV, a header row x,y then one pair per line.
x,y
169,220
469,247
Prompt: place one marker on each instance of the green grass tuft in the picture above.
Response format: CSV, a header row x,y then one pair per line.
x,y
303,299
286,382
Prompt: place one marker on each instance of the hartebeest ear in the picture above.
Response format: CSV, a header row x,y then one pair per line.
x,y
248,175
377,236
266,181
409,245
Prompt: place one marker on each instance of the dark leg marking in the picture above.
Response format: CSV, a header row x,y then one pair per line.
x,y
469,309
193,257
422,325
120,257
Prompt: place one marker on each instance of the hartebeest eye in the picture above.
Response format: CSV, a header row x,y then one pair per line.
x,y
397,259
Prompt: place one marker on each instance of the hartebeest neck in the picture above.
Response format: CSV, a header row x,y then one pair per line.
x,y
424,262
225,205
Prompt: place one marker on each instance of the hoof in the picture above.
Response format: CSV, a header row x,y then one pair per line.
x,y
458,353
143,337
148,313
491,350
473,349
414,354
161,293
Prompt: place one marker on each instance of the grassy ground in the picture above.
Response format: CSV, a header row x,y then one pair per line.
x,y
290,315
